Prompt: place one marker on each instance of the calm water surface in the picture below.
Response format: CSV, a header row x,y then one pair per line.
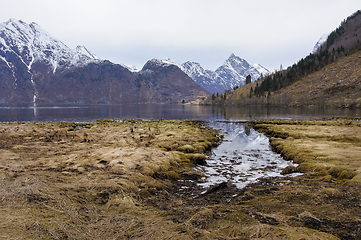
x,y
243,157
89,113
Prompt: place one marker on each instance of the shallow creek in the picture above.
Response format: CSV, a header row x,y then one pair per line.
x,y
243,157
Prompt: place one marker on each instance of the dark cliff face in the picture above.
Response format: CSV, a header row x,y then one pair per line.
x,y
15,83
93,83
96,83
167,84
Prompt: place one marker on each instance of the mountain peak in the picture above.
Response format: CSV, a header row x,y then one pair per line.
x,y
236,63
235,57
14,22
232,73
232,56
154,62
31,43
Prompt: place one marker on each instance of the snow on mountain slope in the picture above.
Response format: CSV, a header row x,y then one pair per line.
x,y
320,42
204,78
232,73
262,70
194,70
130,67
31,43
37,68
161,63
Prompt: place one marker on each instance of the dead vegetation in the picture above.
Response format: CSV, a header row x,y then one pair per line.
x,y
331,149
119,180
88,181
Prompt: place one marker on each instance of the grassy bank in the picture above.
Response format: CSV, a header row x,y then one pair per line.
x,y
89,181
329,149
120,180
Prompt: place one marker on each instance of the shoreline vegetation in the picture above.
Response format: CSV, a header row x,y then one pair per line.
x,y
121,179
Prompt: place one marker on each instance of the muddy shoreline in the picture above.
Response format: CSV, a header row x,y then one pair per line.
x,y
124,179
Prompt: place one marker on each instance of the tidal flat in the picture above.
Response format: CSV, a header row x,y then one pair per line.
x,y
121,179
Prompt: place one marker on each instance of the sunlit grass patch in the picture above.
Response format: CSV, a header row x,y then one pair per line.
x,y
325,147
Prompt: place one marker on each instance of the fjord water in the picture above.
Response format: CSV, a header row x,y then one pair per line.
x,y
89,113
243,157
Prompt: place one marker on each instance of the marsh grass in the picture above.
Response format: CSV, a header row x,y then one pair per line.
x,y
91,180
324,147
118,179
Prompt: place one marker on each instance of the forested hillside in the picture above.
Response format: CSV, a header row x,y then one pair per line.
x,y
329,77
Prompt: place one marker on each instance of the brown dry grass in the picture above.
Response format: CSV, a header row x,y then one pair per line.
x,y
329,148
86,181
338,84
118,180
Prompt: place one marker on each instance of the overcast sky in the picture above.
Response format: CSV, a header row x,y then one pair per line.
x,y
268,32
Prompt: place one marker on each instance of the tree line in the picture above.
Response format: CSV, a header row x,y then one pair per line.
x,y
309,64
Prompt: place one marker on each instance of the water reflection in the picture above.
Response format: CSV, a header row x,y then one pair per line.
x,y
88,113
243,157
35,110
296,113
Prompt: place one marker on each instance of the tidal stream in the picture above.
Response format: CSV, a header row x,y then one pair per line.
x,y
243,157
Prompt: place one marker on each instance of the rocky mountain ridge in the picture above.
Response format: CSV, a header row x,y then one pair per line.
x,y
231,74
37,68
31,43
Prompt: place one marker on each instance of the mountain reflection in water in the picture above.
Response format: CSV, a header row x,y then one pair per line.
x,y
243,157
88,113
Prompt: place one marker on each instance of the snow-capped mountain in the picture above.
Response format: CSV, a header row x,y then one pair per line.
x,y
205,78
130,67
232,73
322,40
154,62
261,70
235,70
37,68
30,43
